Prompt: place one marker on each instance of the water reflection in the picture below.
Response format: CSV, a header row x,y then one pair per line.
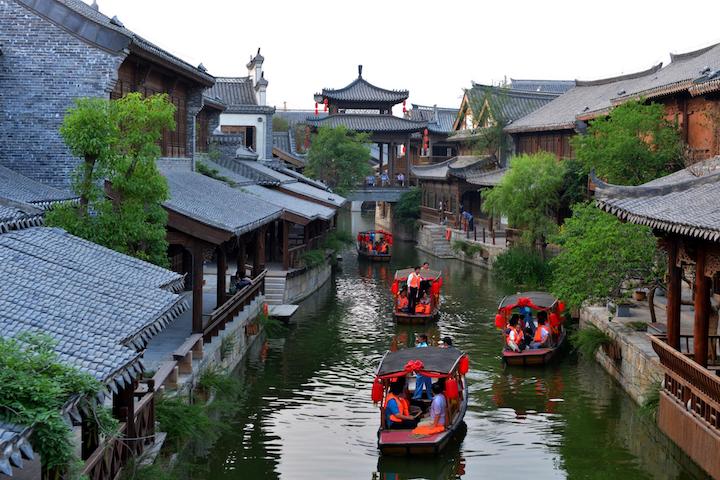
x,y
307,413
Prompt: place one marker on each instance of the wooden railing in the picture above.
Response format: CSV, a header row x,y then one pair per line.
x,y
216,320
692,386
133,437
294,255
713,348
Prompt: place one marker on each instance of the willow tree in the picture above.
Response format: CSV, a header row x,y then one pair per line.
x,y
118,141
339,157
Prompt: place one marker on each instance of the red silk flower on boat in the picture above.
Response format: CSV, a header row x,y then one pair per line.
x,y
499,321
561,307
524,302
414,366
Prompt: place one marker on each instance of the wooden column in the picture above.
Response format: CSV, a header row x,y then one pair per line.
x,y
286,244
241,259
392,159
197,274
221,271
702,309
409,164
259,260
124,410
673,296
382,155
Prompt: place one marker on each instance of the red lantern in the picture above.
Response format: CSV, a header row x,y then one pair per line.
x,y
403,149
316,109
404,109
464,365
451,389
555,320
266,309
561,307
425,133
394,289
499,321
377,391
325,105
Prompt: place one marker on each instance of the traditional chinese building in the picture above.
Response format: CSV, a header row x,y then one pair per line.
x,y
682,210
362,107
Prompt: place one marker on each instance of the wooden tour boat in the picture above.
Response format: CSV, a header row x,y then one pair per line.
x,y
536,302
432,283
448,365
375,245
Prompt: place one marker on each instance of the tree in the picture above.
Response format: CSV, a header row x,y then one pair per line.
x,y
339,157
632,145
407,209
279,124
529,196
600,254
119,142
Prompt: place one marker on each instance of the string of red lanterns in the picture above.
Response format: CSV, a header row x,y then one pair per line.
x,y
316,109
426,140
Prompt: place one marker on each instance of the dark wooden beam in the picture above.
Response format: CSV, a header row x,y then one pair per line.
x,y
195,229
702,310
197,284
286,244
673,296
221,271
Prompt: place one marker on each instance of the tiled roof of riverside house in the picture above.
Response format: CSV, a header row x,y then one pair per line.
x,y
234,177
460,167
439,119
100,306
684,203
17,187
300,177
369,123
561,113
362,91
293,117
289,203
18,215
83,20
322,195
214,203
238,94
544,86
489,178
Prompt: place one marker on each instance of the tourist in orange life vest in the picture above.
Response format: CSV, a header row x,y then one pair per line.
x,y
402,301
514,337
397,409
542,336
413,283
424,305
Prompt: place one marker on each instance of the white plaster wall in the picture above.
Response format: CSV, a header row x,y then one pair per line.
x,y
256,120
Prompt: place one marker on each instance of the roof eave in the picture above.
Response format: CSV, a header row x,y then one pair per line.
x,y
191,73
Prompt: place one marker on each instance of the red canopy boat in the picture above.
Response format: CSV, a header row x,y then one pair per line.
x,y
375,245
432,281
536,302
448,365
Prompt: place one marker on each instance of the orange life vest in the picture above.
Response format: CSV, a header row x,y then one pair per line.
x,y
402,302
538,333
518,336
403,408
414,280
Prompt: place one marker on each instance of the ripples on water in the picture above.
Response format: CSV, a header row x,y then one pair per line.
x,y
308,415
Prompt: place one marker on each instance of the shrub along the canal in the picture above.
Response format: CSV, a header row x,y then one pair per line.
x,y
407,209
523,267
588,340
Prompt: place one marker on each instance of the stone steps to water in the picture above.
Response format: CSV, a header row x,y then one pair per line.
x,y
275,290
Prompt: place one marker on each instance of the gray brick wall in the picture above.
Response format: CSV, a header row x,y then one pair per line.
x,y
227,144
42,70
268,137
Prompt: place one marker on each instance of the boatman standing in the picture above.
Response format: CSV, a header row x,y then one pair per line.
x,y
413,283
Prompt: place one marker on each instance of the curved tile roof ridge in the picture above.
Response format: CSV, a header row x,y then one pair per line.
x,y
628,76
677,57
366,83
608,190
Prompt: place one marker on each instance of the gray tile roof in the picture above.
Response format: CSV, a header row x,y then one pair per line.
x,y
362,91
100,306
262,174
561,113
14,447
439,119
511,103
684,203
298,206
281,140
460,167
369,123
20,188
233,91
216,204
237,179
300,177
547,86
488,178
293,117
137,42
316,193
18,215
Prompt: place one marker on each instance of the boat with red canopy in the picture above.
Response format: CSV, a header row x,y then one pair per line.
x,y
375,245
445,365
528,305
431,284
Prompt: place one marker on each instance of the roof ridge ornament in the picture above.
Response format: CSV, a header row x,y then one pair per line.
x,y
359,71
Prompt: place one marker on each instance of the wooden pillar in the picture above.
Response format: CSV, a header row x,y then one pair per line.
x,y
259,260
702,310
124,410
673,296
221,271
382,155
409,162
241,259
286,244
90,436
197,274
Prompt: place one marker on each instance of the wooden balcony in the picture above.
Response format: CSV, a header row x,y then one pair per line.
x,y
216,320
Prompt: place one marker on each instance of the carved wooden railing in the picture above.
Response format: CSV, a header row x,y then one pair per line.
x,y
692,386
108,459
294,254
713,348
226,312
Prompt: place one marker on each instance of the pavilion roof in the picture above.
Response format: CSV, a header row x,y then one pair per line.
x,y
460,167
439,119
683,203
488,178
361,91
372,123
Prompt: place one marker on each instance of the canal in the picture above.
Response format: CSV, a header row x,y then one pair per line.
x,y
306,411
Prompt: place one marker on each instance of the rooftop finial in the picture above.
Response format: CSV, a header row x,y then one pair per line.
x,y
95,5
359,71
258,51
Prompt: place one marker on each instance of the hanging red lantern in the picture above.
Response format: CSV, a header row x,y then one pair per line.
x,y
554,320
451,389
464,365
499,321
404,109
325,105
403,149
425,133
395,288
561,307
266,309
316,109
377,391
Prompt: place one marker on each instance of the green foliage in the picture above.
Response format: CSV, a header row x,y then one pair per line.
x,y
488,107
529,196
313,258
216,380
598,254
337,240
651,403
407,209
520,266
637,326
469,249
227,345
34,387
212,172
279,124
339,157
181,420
123,150
587,340
574,185
271,326
633,145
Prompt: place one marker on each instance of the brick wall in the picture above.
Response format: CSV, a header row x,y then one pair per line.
x,y
42,69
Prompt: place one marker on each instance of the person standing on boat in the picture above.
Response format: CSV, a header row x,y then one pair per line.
x,y
397,409
413,283
422,383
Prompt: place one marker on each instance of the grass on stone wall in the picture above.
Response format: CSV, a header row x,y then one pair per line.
x,y
587,340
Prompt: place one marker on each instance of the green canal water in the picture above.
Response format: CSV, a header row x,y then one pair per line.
x,y
306,411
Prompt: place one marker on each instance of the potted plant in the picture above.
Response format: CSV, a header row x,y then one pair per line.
x,y
639,294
